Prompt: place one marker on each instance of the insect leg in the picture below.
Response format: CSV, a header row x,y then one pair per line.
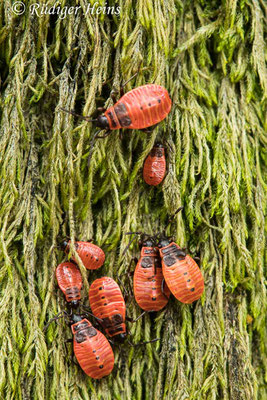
x,y
125,294
106,134
134,261
65,344
187,251
72,353
140,344
196,259
149,129
132,77
95,136
135,320
113,95
89,313
66,348
64,217
130,273
61,314
131,241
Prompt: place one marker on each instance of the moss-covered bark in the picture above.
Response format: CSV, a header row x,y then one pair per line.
x,y
210,56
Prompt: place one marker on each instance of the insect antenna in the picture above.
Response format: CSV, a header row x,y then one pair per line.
x,y
61,314
171,219
78,115
131,241
85,309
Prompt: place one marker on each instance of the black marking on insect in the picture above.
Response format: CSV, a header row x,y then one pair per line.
x,y
122,115
147,262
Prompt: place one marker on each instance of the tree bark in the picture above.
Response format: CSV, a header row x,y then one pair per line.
x,y
210,57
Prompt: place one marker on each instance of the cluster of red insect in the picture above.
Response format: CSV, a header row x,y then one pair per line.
x,y
141,108
163,267
91,348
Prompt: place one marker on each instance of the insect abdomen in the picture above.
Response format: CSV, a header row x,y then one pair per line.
x,y
148,279
107,303
155,167
92,256
140,108
69,280
92,350
182,274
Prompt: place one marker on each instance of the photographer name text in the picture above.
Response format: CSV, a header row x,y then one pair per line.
x,y
39,10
